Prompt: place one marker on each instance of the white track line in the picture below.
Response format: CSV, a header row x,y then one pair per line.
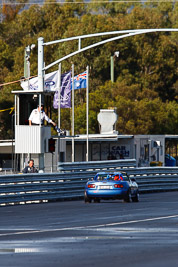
x,y
89,227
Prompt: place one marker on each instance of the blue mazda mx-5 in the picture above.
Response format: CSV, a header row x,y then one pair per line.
x,y
111,185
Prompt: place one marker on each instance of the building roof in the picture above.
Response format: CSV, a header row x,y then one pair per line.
x,y
99,137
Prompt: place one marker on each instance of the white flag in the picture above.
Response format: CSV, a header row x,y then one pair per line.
x,y
50,83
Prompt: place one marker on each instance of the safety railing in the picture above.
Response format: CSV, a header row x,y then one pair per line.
x,y
80,166
43,187
96,165
155,179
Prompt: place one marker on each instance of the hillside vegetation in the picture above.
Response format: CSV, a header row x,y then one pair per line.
x,y
145,91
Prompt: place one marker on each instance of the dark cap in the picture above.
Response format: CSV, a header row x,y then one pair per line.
x,y
41,105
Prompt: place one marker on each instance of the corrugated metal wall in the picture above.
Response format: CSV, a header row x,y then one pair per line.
x,y
31,139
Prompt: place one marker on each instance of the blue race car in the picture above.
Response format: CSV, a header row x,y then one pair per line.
x,y
111,185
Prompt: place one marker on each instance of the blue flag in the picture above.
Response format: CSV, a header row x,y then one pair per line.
x,y
80,81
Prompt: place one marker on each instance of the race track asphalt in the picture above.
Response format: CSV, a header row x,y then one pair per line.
x,y
110,233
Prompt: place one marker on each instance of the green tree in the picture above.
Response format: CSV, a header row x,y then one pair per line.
x,y
145,88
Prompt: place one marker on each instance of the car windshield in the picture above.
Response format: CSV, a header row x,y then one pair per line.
x,y
101,177
125,177
111,176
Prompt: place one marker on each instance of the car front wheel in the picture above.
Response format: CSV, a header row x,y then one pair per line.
x,y
136,197
127,198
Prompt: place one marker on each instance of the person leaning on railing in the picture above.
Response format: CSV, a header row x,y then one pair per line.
x,y
34,118
30,168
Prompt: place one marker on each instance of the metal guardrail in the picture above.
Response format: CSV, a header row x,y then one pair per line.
x,y
43,187
155,179
96,165
80,166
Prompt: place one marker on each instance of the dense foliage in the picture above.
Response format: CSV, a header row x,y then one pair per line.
x,y
146,86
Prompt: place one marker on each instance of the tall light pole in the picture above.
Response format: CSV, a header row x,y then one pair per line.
x,y
27,53
116,54
12,125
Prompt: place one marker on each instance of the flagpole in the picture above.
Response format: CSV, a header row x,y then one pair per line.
x,y
87,104
73,146
59,97
59,111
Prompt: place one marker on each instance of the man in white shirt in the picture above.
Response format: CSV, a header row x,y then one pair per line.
x,y
34,118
